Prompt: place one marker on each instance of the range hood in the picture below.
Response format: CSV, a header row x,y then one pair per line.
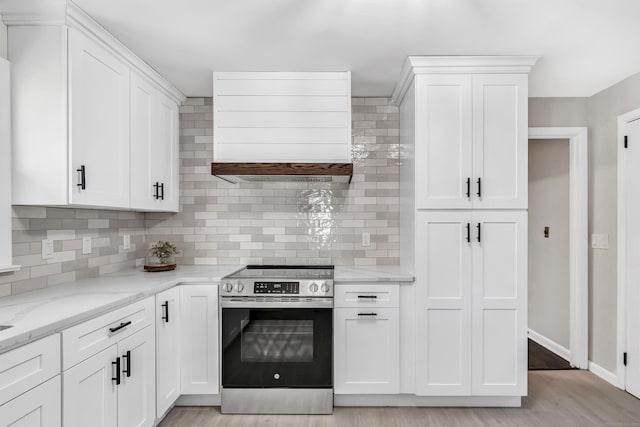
x,y
283,172
282,126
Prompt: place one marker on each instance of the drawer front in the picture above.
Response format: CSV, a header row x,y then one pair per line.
x,y
88,338
367,296
27,366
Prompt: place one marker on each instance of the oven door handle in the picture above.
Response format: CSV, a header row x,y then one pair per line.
x,y
236,303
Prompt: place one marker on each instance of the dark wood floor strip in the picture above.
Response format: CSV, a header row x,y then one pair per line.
x,y
542,359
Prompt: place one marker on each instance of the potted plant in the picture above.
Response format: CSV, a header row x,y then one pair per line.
x,y
161,257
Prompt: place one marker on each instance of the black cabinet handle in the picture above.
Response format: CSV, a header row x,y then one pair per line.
x,y
155,191
162,191
468,233
479,233
126,369
165,316
367,314
117,377
468,188
368,296
479,193
120,326
83,178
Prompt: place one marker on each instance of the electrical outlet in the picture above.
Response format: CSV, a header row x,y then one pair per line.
x,y
86,245
126,241
47,249
366,239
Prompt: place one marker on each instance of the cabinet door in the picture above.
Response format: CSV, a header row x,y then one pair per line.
x,y
98,124
154,148
39,407
367,350
443,303
143,145
443,141
167,349
500,144
165,156
89,393
199,334
136,393
500,304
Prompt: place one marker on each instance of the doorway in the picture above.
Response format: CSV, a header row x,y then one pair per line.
x,y
629,251
575,297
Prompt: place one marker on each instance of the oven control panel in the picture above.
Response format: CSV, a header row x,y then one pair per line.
x,y
265,287
289,288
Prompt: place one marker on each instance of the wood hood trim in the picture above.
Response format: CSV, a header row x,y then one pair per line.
x,y
222,169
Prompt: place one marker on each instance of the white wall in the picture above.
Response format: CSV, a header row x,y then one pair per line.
x,y
3,39
549,257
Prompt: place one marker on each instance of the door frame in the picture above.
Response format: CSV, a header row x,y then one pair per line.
x,y
623,120
578,237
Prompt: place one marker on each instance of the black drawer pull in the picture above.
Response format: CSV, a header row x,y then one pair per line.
x,y
165,316
479,193
368,296
126,369
83,179
117,377
468,188
479,233
367,314
120,326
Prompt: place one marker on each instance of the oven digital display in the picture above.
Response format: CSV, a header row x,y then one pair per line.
x,y
276,287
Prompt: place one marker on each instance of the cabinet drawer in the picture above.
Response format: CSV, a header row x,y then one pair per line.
x,y
367,296
27,366
93,336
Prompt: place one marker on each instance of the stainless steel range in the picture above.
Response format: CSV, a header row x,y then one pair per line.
x,y
277,340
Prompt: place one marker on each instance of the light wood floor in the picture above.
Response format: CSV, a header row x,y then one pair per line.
x,y
556,399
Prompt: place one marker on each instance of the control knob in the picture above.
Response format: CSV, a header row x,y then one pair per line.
x,y
227,287
324,288
239,286
313,287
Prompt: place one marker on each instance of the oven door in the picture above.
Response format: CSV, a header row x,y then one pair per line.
x,y
277,347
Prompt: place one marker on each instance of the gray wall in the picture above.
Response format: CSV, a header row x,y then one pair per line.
x,y
602,110
292,223
549,257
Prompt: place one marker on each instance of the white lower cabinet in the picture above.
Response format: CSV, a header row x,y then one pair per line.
x,y
366,339
199,339
168,345
39,407
471,273
115,387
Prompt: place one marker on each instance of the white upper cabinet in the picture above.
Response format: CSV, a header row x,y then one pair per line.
x,y
470,131
98,125
76,105
154,148
6,259
282,117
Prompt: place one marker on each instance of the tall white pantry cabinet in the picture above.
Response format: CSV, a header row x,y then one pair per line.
x,y
463,221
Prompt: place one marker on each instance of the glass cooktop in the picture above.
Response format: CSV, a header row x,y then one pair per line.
x,y
285,272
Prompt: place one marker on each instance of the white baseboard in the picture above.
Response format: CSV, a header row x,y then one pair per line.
x,y
606,375
550,345
426,401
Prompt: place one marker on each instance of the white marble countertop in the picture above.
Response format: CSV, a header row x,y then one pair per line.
x,y
36,314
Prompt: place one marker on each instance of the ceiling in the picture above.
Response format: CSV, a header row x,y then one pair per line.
x,y
585,45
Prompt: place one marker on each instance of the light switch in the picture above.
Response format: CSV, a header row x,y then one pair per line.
x,y
126,241
47,249
366,239
600,241
86,245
